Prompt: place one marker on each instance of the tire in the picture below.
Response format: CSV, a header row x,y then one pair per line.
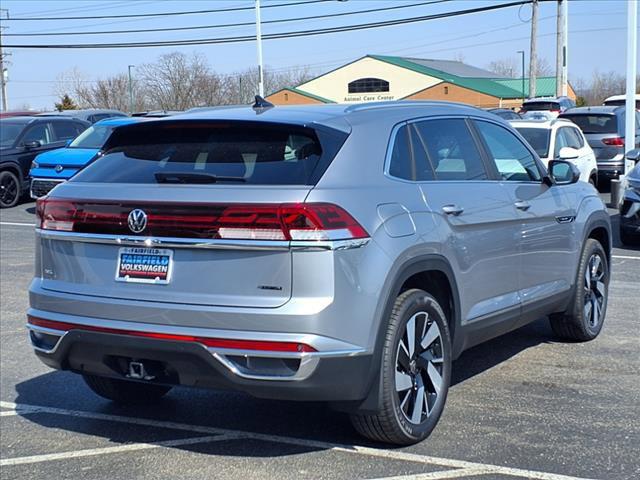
x,y
585,317
125,391
407,371
10,189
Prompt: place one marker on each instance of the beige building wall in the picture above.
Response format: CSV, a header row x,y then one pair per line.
x,y
454,93
287,97
334,85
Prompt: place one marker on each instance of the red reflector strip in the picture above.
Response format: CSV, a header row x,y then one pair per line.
x,y
258,345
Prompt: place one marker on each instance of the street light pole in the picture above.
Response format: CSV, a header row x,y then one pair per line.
x,y
259,42
130,89
632,69
521,52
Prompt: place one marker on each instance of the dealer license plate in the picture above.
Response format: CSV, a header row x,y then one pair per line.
x,y
144,265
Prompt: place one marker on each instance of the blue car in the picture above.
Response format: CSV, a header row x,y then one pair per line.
x,y
56,166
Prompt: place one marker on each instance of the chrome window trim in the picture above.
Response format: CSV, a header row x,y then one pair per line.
x,y
204,243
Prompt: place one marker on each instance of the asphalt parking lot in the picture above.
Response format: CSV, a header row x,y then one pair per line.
x,y
521,406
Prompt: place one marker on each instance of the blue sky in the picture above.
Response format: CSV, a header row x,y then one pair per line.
x,y
597,37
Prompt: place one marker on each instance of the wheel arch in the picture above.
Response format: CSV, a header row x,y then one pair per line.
x,y
13,168
427,272
598,227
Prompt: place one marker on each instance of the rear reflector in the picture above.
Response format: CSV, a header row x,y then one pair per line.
x,y
614,141
248,345
288,221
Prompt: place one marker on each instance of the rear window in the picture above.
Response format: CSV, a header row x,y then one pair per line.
x,y
538,138
205,152
537,106
594,123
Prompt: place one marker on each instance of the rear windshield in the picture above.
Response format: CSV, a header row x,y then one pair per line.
x,y
538,138
619,103
93,137
537,106
231,152
594,123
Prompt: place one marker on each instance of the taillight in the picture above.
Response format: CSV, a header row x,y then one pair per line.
x,y
256,345
287,221
614,141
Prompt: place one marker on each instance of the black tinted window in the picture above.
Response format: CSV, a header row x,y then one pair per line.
x,y
193,152
65,130
38,133
594,123
451,149
409,159
538,106
538,138
512,159
401,163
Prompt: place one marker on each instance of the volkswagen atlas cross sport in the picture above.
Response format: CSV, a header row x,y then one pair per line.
x,y
345,254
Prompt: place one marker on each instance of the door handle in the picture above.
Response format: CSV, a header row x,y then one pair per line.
x,y
454,210
524,206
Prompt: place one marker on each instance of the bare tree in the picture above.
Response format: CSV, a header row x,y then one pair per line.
x,y
178,82
506,67
175,82
600,86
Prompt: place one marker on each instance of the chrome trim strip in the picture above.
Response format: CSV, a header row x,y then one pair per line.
x,y
216,244
306,368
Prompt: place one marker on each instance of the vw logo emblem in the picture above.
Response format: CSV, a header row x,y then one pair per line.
x,y
59,168
137,220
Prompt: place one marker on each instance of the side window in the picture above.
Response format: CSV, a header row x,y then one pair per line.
x,y
402,165
38,133
575,140
409,159
80,127
512,159
65,131
562,141
451,149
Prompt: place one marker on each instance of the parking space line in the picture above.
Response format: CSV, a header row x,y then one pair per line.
x,y
442,474
25,409
131,447
18,224
626,257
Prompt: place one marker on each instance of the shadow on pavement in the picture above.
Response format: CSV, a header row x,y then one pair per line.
x,y
238,411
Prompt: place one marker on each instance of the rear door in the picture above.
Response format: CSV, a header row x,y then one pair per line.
x,y
184,213
475,213
547,237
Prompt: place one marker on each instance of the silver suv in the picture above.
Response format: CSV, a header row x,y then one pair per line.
x,y
333,253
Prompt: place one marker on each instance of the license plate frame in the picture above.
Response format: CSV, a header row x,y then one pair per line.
x,y
144,265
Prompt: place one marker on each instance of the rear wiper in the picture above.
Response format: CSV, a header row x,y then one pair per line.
x,y
184,177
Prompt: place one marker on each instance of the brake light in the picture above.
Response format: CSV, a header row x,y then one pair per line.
x,y
288,221
256,345
614,141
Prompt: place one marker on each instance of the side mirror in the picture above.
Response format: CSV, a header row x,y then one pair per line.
x,y
568,153
633,155
563,173
31,145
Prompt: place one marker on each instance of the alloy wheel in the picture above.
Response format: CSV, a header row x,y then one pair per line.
x,y
8,190
594,290
419,368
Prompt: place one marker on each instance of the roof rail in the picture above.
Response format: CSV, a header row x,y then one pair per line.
x,y
400,103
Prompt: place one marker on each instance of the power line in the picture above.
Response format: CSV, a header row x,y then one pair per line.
x,y
281,35
164,14
226,25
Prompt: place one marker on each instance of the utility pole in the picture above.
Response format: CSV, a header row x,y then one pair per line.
x,y
130,89
259,42
561,47
632,69
533,54
3,69
521,52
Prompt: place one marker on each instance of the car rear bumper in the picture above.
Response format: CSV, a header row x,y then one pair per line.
x,y
335,371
